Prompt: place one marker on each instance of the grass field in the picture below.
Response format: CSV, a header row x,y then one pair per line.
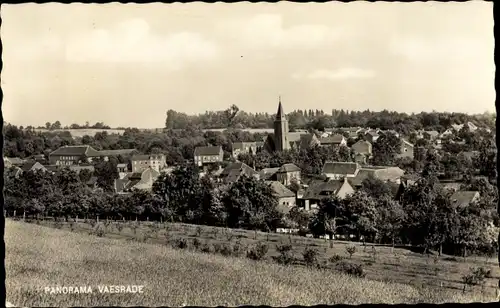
x,y
40,256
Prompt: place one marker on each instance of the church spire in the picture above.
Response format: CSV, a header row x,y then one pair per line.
x,y
280,114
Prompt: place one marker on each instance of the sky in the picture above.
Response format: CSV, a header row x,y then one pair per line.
x,y
127,64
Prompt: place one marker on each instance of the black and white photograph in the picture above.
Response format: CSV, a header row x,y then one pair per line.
x,y
230,154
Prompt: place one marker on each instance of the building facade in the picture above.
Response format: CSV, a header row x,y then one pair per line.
x,y
142,162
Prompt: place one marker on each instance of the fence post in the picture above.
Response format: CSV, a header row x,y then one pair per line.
x,y
14,213
24,216
97,218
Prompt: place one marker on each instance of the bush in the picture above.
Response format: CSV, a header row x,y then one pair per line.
x,y
336,258
72,226
285,256
198,231
180,243
196,243
119,226
310,256
100,230
238,249
205,248
258,252
351,269
351,250
223,249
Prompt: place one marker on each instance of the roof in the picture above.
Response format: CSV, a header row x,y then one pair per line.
x,y
92,181
362,143
432,133
242,145
288,168
52,168
207,150
76,150
247,170
335,139
340,168
470,154
121,165
30,165
233,175
117,152
372,133
280,190
362,175
463,198
319,189
267,173
15,160
405,142
306,140
280,114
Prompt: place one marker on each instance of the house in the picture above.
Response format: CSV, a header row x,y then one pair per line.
x,y
334,140
268,174
371,136
407,149
13,161
234,171
451,185
363,147
245,148
360,158
287,173
72,155
137,180
448,132
430,135
32,166
122,170
143,162
106,154
323,189
286,197
464,198
208,155
386,174
338,170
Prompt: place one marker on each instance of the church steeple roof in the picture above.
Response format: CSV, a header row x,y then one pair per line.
x,y
280,114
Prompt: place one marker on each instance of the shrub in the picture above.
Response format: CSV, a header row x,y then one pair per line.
x,y
196,243
198,231
72,226
100,230
205,248
238,249
223,249
285,256
351,269
351,250
119,227
180,243
310,256
336,258
258,252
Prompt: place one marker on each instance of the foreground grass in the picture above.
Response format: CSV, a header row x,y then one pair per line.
x,y
386,265
38,256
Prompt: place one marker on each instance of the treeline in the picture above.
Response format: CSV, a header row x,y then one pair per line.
x,y
318,119
57,125
423,215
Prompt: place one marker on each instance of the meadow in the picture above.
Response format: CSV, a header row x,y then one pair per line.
x,y
81,253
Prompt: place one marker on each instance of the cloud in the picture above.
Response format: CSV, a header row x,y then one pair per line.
x,y
267,30
340,74
132,41
443,49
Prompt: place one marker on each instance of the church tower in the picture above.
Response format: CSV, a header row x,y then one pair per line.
x,y
281,130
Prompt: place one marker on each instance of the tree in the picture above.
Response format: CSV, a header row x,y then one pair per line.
x,y
385,149
390,218
106,173
48,125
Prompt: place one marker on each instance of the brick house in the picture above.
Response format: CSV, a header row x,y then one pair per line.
x,y
235,170
287,173
339,170
143,162
137,181
208,155
72,155
371,136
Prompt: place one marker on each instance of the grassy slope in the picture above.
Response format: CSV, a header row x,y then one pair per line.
x,y
39,256
402,266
